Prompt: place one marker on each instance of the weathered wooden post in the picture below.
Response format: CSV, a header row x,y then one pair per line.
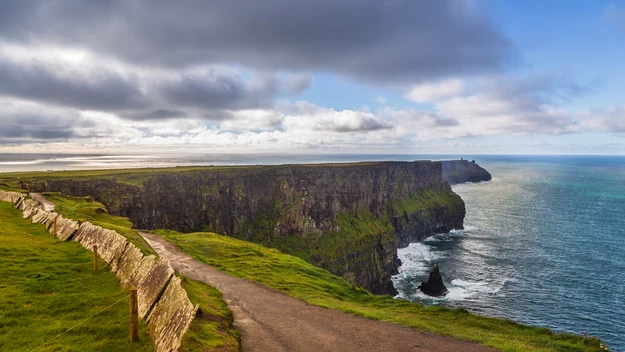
x,y
134,315
95,258
54,232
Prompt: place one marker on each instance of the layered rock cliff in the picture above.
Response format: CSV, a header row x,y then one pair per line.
x,y
346,218
461,171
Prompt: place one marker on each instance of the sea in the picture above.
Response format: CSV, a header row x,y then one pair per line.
x,y
543,242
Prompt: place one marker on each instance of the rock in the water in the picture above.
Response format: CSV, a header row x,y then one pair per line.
x,y
434,286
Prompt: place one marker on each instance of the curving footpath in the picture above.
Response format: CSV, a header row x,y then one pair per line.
x,y
270,320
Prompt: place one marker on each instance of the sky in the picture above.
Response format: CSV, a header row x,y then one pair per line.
x,y
340,76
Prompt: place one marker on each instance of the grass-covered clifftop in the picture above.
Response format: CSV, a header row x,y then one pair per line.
x,y
314,285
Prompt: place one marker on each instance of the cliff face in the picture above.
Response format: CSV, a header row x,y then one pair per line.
x,y
461,171
348,219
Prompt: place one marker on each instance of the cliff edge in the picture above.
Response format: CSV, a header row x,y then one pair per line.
x,y
461,171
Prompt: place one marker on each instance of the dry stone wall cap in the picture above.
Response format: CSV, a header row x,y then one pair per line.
x,y
153,285
128,265
171,317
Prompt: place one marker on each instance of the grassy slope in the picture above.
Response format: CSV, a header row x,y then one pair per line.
x,y
302,280
213,328
48,286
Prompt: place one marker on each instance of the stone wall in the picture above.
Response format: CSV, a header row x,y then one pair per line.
x,y
163,302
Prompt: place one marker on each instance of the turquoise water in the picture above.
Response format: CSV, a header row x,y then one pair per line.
x,y
544,245
544,242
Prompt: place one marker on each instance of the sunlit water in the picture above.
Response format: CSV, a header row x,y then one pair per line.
x,y
544,242
544,245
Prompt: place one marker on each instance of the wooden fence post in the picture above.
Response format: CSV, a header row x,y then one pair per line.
x,y
134,315
95,258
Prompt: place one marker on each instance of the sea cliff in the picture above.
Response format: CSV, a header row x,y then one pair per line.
x,y
347,218
461,171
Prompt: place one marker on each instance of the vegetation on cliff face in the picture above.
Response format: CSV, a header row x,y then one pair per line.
x,y
48,286
314,285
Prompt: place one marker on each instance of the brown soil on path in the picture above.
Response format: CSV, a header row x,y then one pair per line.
x,y
271,321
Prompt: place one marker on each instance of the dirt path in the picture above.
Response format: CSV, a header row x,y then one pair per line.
x,y
273,321
47,205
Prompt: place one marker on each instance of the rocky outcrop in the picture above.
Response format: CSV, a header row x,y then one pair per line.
x,y
461,171
434,286
346,218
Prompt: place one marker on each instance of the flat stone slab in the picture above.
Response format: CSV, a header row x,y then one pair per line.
x,y
12,197
151,287
65,228
110,244
41,216
171,317
128,267
28,207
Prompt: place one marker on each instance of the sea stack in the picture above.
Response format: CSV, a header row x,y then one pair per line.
x,y
434,286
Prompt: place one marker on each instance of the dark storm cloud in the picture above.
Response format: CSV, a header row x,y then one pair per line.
x,y
138,96
211,90
54,83
358,124
157,114
382,41
28,126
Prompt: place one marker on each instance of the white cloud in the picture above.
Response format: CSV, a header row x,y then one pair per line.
x,y
611,120
435,91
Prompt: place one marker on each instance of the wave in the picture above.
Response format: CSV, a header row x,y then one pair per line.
x,y
451,235
416,259
459,290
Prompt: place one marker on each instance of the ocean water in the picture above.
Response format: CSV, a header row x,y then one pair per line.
x,y
543,244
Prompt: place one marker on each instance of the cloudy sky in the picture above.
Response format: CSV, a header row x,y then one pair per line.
x,y
393,76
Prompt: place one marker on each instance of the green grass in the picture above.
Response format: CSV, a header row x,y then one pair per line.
x,y
130,176
421,203
87,209
212,328
302,280
48,286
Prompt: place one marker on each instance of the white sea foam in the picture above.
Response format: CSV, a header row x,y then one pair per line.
x,y
416,259
460,290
